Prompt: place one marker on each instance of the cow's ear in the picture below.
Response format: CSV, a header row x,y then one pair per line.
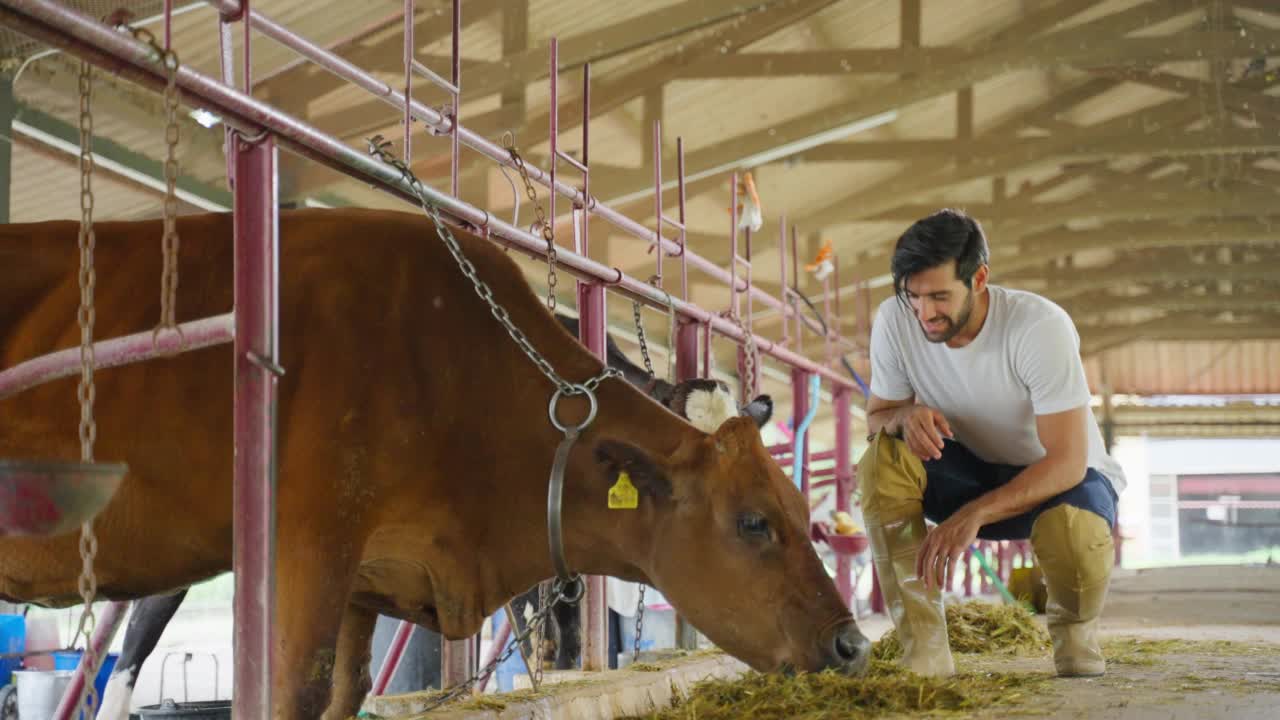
x,y
649,477
760,410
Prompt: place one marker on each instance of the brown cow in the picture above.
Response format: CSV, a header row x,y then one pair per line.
x,y
414,451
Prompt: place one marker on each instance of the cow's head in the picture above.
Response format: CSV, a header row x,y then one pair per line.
x,y
726,540
707,403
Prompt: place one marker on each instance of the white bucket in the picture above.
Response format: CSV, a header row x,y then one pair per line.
x,y
39,692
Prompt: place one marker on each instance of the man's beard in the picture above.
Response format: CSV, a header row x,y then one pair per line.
x,y
953,325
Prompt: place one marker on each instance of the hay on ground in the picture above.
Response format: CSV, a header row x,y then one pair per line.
x,y
982,627
885,689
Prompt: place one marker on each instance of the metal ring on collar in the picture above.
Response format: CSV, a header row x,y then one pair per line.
x,y
573,590
578,390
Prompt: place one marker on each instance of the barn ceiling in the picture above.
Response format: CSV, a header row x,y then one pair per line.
x,y
1122,155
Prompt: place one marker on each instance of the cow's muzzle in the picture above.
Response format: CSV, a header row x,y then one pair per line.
x,y
847,649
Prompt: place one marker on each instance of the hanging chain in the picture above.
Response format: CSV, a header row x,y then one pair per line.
x,y
644,346
87,391
544,228
169,239
536,624
635,654
169,242
380,147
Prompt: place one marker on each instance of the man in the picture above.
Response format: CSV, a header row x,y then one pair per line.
x,y
979,420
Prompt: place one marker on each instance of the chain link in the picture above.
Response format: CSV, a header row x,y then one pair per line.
x,y
644,346
87,391
378,146
544,228
635,653
536,625
169,239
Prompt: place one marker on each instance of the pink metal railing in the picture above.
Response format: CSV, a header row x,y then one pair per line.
x,y
63,27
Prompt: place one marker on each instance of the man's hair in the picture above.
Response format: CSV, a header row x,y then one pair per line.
x,y
940,238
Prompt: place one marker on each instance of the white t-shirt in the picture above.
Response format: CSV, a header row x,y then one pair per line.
x,y
1024,362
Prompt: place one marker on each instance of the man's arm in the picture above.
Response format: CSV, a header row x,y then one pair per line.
x,y
922,427
1065,438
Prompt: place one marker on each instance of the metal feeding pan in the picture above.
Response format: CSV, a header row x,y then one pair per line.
x,y
52,497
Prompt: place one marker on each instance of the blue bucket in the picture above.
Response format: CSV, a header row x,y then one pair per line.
x,y
69,661
13,639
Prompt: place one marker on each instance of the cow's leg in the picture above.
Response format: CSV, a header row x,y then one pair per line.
x,y
351,681
147,623
314,574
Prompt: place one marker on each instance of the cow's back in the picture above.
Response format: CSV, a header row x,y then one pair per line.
x,y
390,361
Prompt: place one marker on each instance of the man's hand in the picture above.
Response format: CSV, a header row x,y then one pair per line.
x,y
924,429
944,547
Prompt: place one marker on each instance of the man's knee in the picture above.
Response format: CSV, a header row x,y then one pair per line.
x,y
1074,548
890,478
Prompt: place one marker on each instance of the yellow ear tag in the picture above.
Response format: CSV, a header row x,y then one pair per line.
x,y
623,495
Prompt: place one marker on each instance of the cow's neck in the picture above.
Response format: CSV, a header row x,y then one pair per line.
x,y
598,541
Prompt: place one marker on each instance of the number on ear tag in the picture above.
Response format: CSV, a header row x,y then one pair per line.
x,y
623,495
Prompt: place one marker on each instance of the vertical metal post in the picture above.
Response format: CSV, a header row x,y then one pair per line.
x,y
591,331
657,194
800,408
686,369
457,657
408,83
841,404
8,109
256,350
457,94
108,622
391,661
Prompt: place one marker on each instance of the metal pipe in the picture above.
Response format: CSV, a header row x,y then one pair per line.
x,y
684,248
457,658
391,659
500,638
454,122
842,405
56,24
592,320
407,119
116,352
256,349
103,634
442,124
657,194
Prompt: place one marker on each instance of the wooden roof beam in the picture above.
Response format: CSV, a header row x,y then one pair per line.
x,y
306,81
1175,300
985,61
1035,251
1167,143
1153,50
1177,328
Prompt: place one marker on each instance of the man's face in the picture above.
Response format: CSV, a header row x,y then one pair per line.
x,y
941,302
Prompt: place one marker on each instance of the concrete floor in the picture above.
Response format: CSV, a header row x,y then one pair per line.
x,y
1191,603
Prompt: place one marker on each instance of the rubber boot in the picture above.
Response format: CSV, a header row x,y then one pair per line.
x,y
892,482
1075,551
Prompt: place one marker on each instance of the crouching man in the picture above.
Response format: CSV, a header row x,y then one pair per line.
x,y
980,422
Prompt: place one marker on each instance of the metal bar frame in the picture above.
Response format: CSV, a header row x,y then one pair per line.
x,y
66,28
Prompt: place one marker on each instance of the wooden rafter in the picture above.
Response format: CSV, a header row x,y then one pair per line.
x,y
1178,327
917,60
1169,143
1175,300
985,62
1171,270
1036,251
611,92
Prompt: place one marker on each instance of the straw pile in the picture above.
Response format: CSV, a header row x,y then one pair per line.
x,y
982,627
886,689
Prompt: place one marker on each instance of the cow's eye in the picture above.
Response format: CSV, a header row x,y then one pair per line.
x,y
752,525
